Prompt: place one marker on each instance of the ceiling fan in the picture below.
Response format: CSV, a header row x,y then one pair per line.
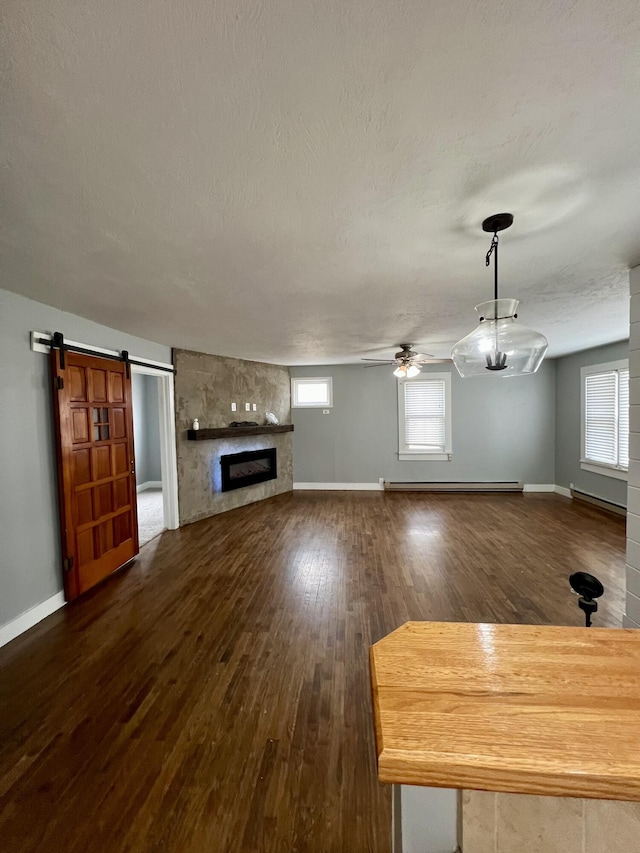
x,y
408,362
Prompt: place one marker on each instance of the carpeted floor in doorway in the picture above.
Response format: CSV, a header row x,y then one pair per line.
x,y
150,515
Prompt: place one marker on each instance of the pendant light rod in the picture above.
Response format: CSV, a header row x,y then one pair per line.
x,y
492,225
493,250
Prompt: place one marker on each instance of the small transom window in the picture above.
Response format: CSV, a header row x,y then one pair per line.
x,y
313,392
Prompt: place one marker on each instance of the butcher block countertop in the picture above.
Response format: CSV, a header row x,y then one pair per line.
x,y
517,708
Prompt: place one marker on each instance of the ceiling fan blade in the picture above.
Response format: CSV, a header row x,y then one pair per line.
x,y
379,360
421,355
380,364
434,361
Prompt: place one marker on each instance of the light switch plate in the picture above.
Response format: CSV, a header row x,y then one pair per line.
x,y
233,407
247,407
255,408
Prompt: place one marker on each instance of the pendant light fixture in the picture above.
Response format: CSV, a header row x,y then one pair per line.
x,y
499,344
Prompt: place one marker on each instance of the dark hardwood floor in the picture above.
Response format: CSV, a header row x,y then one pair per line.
x,y
215,695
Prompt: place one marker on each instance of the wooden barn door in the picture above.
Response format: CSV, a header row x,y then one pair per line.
x,y
96,476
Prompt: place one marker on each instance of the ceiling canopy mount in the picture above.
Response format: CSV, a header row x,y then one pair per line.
x,y
497,222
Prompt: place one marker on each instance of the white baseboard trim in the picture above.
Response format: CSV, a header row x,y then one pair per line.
x,y
378,487
561,490
150,484
30,618
339,487
627,622
558,490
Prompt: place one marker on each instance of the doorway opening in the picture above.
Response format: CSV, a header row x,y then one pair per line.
x,y
152,395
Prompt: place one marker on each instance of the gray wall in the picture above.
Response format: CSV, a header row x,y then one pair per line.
x,y
568,429
146,427
502,429
30,571
206,385
154,470
632,604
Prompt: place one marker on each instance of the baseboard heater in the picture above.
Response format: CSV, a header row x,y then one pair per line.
x,y
610,506
453,487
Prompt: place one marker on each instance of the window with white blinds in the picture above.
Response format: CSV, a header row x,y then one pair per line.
x,y
605,426
424,414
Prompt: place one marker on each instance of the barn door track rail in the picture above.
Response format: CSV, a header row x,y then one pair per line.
x,y
42,342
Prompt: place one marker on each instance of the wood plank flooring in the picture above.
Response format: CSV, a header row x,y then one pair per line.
x,y
215,695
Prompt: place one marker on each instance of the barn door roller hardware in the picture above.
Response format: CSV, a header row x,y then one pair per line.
x,y
57,342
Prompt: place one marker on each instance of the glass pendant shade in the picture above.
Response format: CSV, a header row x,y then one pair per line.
x,y
499,345
412,370
400,372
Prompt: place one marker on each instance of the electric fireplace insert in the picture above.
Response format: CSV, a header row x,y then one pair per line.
x,y
248,468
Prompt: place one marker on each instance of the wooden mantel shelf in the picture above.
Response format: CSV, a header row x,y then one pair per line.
x,y
517,708
236,432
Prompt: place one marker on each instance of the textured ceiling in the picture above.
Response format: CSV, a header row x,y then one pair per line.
x,y
304,182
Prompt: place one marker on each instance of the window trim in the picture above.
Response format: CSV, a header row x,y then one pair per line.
x,y
315,380
603,468
405,455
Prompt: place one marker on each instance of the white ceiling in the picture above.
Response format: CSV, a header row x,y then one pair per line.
x,y
303,181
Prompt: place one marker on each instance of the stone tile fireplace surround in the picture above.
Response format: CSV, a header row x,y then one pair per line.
x,y
205,387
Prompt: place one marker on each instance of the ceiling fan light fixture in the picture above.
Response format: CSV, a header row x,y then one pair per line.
x,y
407,363
499,344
